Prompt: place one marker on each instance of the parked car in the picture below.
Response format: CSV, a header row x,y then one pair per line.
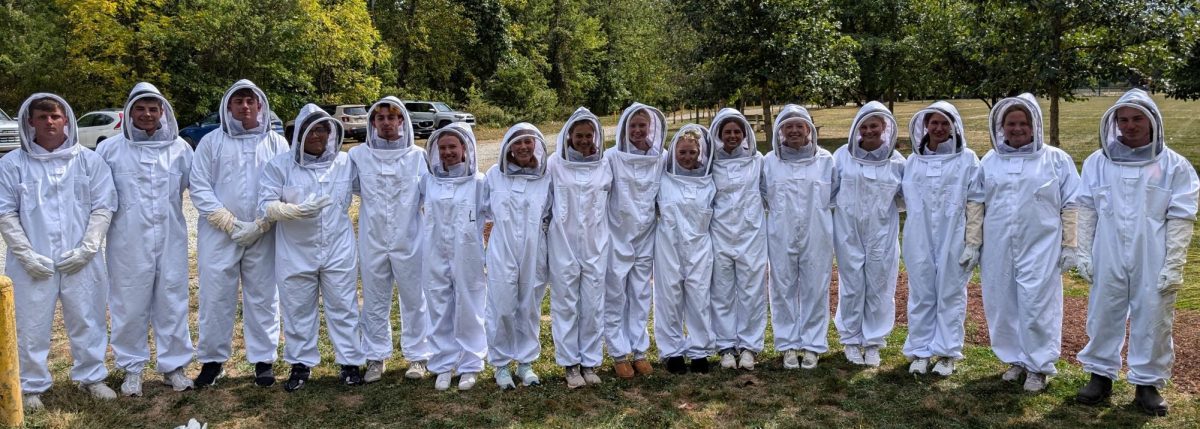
x,y
428,116
10,137
353,117
194,132
96,126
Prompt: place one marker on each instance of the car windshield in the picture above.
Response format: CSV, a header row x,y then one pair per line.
x,y
442,107
356,110
212,118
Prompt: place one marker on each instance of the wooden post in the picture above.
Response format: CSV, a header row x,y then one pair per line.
x,y
12,409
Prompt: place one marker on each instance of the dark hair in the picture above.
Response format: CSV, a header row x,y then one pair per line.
x,y
244,92
727,121
47,104
571,130
1020,108
312,121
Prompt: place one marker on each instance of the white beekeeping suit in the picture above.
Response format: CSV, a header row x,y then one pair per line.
x,y
636,163
55,208
579,243
683,255
801,181
1028,192
224,187
452,274
150,279
866,227
389,222
307,194
938,177
517,199
1137,206
739,234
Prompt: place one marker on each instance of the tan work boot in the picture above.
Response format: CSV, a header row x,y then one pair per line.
x,y
642,366
623,369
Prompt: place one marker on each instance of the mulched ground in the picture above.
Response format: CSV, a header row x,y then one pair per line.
x,y
1186,374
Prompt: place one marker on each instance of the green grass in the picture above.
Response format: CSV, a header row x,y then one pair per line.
x,y
836,394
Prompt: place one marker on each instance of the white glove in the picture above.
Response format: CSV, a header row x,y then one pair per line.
x,y
246,233
1067,258
1179,235
37,265
1070,228
223,220
974,236
969,258
1086,237
75,259
278,210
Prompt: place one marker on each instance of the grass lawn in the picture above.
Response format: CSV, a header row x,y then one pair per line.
x,y
836,394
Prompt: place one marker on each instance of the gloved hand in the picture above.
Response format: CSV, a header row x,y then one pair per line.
x,y
37,265
974,236
969,258
1083,265
1179,235
1070,229
1067,258
223,220
1086,237
278,210
246,233
75,259
1169,282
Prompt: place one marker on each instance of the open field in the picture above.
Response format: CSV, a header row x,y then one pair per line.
x,y
836,394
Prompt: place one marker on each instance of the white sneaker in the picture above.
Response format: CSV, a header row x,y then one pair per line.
x,y
746,362
416,370
443,381
375,369
574,379
728,361
527,376
1035,382
790,361
918,366
872,357
504,378
944,367
178,380
33,402
132,385
466,381
99,390
809,361
1013,374
854,354
589,376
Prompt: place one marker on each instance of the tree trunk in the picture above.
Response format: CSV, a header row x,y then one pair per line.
x,y
1054,95
766,109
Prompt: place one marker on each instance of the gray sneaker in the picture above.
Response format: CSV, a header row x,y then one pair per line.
x,y
33,402
132,385
589,376
375,370
101,391
416,370
178,380
574,379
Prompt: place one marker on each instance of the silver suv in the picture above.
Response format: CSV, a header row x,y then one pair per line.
x,y
428,116
9,137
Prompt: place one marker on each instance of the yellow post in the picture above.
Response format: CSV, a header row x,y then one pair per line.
x,y
12,410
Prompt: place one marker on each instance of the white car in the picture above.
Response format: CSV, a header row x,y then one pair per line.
x,y
9,139
96,126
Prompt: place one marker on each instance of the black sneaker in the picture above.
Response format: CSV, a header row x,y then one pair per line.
x,y
700,366
675,365
1149,401
350,375
1098,389
209,373
298,378
264,374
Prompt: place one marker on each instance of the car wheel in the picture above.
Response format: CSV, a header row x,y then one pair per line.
x,y
98,140
191,142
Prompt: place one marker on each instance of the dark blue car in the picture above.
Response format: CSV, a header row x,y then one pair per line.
x,y
194,132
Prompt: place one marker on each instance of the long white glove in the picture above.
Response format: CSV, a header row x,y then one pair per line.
x,y
1070,246
75,259
974,236
37,265
1086,237
246,233
223,220
1179,235
278,210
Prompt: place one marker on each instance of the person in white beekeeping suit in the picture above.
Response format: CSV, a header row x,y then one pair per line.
x,y
866,228
307,193
579,247
801,182
683,253
938,177
1137,207
516,199
1028,234
636,163
739,234
390,168
56,200
150,165
234,246
452,241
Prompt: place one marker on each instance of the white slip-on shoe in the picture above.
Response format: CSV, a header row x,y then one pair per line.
x,y
854,354
728,361
443,381
132,386
872,358
918,366
746,361
1013,373
944,367
375,369
99,390
809,361
1035,382
790,360
416,371
178,380
466,381
527,376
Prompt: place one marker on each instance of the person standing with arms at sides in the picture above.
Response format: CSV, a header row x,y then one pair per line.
x,y
390,168
637,164
234,247
151,165
517,199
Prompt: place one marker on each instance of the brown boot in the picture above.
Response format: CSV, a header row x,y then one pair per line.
x,y
642,366
623,369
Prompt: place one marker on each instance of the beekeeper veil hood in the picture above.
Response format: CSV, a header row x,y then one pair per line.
x,y
467,138
582,115
786,123
312,120
918,130
873,111
1113,140
1024,102
235,128
653,134
167,130
387,105
523,131
689,133
69,146
748,143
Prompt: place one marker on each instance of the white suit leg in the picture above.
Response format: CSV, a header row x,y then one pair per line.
x,y
565,315
616,312
376,317
298,298
34,304
923,306
84,305
812,316
414,313
469,332
640,293
528,321
1039,294
439,292
951,316
1151,348
132,304
785,299
724,301
591,316
502,320
880,297
260,301
1000,304
849,318
752,299
172,335
1108,306
339,295
669,311
697,303
219,266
